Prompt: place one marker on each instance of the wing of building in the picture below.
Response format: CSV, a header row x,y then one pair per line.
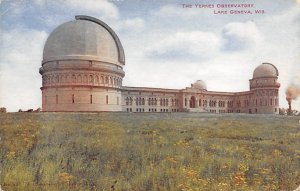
x,y
82,70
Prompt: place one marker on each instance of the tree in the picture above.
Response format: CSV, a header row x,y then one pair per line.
x,y
2,110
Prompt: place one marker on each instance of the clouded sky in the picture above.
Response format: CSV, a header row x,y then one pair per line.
x,y
165,44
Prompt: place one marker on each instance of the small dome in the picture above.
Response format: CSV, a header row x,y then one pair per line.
x,y
265,70
199,84
85,38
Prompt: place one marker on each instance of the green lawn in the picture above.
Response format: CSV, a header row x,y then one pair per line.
x,y
149,151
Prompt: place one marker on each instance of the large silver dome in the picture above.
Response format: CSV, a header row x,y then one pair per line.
x,y
85,38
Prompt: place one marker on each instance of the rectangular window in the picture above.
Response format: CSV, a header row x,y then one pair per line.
x,y
117,100
91,99
73,98
56,99
107,99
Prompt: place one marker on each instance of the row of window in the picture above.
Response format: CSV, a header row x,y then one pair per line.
x,y
230,104
263,82
210,103
237,111
151,110
265,102
81,78
73,100
266,93
151,101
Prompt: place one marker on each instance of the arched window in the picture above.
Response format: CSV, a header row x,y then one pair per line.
x,y
73,78
91,79
260,102
106,80
266,102
193,102
139,101
102,79
131,100
271,101
66,78
97,79
79,79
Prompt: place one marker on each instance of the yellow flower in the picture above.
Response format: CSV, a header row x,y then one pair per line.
x,y
65,177
171,159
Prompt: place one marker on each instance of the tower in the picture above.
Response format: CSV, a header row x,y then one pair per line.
x,y
82,67
264,88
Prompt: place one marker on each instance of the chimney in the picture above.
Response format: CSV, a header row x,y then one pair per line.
x,y
289,112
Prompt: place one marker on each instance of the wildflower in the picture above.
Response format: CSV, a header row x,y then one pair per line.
x,y
264,170
191,174
11,155
276,152
183,186
171,159
65,177
243,167
239,179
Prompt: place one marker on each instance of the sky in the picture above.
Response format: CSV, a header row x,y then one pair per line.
x,y
166,45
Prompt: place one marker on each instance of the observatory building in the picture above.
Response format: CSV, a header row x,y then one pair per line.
x,y
82,70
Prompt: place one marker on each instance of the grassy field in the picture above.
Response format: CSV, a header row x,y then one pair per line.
x,y
139,151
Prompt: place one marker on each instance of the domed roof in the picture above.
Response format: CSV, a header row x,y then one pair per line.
x,y
199,84
265,70
85,38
